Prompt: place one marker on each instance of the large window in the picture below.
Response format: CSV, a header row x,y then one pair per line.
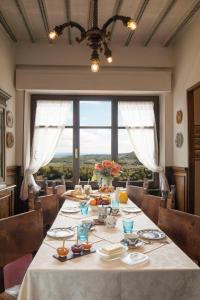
x,y
94,132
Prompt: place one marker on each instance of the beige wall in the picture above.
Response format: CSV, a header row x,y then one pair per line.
x,y
66,69
186,74
7,77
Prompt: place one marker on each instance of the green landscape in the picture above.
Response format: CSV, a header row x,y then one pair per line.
x,y
62,166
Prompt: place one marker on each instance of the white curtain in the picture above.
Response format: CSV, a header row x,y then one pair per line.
x,y
139,119
50,120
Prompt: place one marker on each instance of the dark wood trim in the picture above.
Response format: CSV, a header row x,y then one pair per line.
x,y
25,20
68,19
11,171
43,13
191,150
191,186
137,20
116,11
114,127
182,24
180,180
159,22
7,28
76,142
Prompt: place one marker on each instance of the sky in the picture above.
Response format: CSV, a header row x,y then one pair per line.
x,y
94,141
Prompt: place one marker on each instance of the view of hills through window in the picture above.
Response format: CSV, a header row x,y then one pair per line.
x,y
95,146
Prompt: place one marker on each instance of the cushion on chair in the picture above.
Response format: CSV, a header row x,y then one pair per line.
x,y
14,272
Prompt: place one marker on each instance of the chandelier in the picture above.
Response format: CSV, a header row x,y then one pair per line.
x,y
97,39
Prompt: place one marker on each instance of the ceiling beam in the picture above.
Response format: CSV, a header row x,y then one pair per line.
x,y
116,10
184,21
137,20
44,18
7,28
25,20
68,19
90,14
155,27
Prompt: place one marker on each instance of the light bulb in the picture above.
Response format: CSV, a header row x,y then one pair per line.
x,y
109,59
131,25
94,65
53,35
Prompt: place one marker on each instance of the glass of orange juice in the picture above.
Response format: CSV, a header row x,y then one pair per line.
x,y
123,197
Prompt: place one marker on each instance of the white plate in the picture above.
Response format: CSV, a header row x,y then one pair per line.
x,y
131,209
70,209
135,259
151,234
113,256
60,233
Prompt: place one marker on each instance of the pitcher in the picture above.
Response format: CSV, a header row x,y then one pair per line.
x,y
103,212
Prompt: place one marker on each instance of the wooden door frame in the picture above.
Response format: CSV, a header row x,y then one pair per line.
x,y
191,167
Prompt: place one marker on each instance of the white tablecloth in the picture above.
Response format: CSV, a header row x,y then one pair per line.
x,y
169,274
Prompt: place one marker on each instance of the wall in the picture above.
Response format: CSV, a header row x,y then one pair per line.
x,y
135,70
7,77
186,74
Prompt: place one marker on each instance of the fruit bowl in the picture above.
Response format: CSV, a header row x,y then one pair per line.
x,y
99,200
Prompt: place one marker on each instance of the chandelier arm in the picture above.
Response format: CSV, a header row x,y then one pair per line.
x,y
115,18
59,29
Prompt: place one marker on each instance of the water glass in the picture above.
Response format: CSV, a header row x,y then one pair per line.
x,y
87,189
84,208
128,225
82,232
115,201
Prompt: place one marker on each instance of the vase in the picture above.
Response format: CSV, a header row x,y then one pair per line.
x,y
106,181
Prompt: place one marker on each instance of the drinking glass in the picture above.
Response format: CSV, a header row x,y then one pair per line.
x,y
114,200
128,225
82,232
84,208
87,189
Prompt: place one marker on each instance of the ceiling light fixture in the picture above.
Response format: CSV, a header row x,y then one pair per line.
x,y
97,39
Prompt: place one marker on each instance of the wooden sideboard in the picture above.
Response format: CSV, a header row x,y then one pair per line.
x,y
7,197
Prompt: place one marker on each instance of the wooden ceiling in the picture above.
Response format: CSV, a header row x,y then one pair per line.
x,y
159,21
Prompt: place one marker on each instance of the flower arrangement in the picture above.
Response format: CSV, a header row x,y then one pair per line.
x,y
106,170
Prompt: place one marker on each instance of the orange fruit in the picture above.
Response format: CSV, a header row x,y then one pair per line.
x,y
93,202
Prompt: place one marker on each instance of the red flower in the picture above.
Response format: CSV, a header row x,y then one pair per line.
x,y
107,164
98,167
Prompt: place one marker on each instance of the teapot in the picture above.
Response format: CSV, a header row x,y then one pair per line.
x,y
103,212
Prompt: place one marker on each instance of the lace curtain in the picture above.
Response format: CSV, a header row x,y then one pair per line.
x,y
50,121
139,120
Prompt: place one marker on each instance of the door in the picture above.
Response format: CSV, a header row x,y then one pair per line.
x,y
194,149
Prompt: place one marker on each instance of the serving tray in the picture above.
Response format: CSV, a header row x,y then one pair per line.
x,y
70,255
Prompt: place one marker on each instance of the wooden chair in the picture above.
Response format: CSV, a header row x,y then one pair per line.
x,y
59,190
19,235
183,228
135,194
150,205
50,207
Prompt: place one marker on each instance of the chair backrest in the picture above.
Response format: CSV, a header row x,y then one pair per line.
x,y
135,194
183,228
150,206
60,189
19,235
50,206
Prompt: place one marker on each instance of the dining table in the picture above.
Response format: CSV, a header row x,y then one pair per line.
x,y
169,274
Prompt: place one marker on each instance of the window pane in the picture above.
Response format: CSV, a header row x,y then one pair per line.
x,y
131,166
95,113
62,163
95,146
52,112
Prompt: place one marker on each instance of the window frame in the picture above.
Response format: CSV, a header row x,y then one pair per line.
x,y
114,99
